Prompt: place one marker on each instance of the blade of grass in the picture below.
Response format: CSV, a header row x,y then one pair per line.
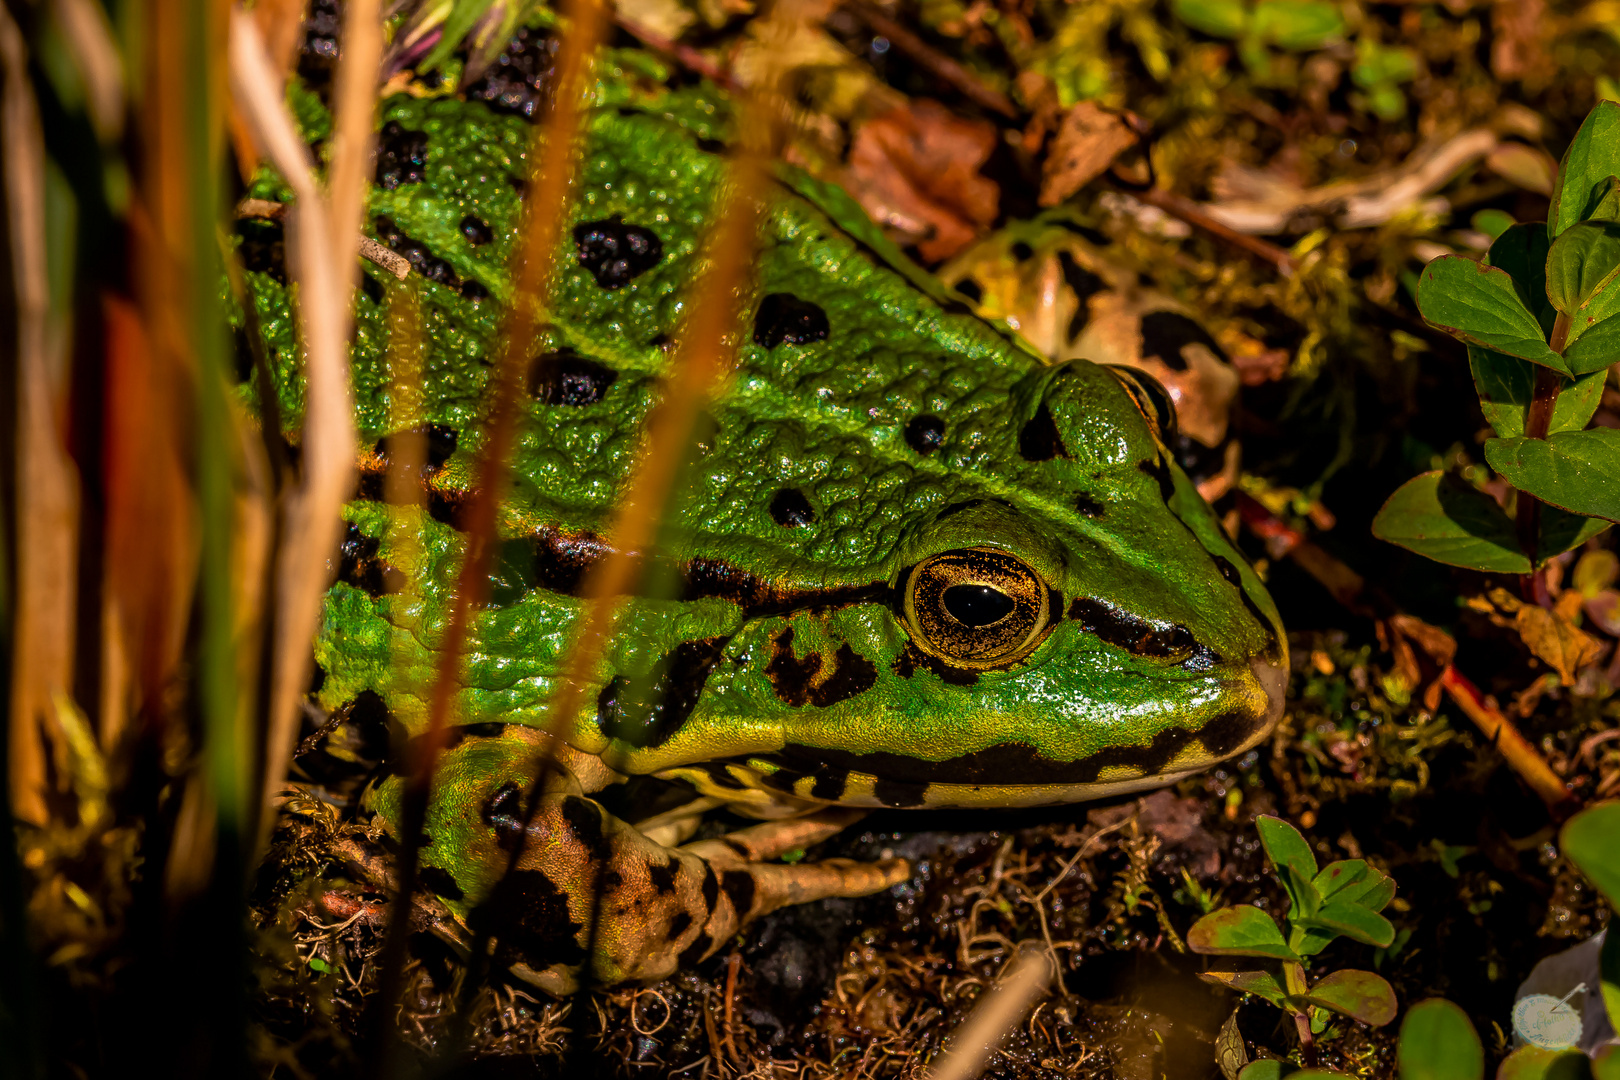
x,y
312,521
46,482
329,436
1026,976
553,158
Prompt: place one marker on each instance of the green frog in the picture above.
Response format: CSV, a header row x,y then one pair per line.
x,y
912,563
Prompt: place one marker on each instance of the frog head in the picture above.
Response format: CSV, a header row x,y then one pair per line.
x,y
1080,627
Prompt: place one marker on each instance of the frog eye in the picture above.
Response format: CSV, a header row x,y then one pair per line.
x,y
1152,400
977,607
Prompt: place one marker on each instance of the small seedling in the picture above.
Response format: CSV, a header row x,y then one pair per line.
x,y
1541,319
1341,900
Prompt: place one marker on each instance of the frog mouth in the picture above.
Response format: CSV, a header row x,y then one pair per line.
x,y
1017,774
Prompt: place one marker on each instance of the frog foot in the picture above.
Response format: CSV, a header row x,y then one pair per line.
x,y
571,892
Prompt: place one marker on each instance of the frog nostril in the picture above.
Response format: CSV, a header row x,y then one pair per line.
x,y
977,605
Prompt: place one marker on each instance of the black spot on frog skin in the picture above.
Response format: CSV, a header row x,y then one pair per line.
x,y
790,509
1165,332
476,230
650,717
1228,571
662,877
372,288
1084,284
565,377
614,252
263,247
711,146
911,659
694,952
711,889
830,783
401,156
1155,467
971,289
449,506
791,677
1038,439
519,80
738,885
474,291
899,794
1139,637
503,812
1086,506
784,317
1022,251
925,433
528,915
360,566
584,819
417,254
441,881
679,923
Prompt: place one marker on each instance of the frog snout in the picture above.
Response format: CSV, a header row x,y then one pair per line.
x,y
1273,679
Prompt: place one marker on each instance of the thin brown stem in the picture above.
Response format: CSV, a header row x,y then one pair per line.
x,y
1179,206
1527,517
934,62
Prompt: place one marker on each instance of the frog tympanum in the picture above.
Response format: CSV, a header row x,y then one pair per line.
x,y
912,564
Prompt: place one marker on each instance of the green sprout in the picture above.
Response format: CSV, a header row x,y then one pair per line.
x,y
1342,899
1260,25
1541,319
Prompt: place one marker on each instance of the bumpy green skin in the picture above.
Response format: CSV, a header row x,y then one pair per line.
x,y
808,685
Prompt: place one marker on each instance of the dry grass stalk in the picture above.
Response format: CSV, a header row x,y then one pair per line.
x,y
312,523
90,37
47,486
1024,979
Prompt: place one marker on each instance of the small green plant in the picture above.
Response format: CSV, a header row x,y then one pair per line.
x,y
1260,25
1541,319
1342,899
1437,1040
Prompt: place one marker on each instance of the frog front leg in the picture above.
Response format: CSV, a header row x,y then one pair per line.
x,y
586,884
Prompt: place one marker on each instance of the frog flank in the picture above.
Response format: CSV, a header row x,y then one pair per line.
x,y
912,564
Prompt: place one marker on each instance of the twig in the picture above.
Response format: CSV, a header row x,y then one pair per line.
x,y
1179,206
934,61
1519,752
684,55
997,1013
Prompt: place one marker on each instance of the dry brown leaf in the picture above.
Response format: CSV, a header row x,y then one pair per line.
x,y
1524,166
916,171
1088,140
1440,646
1557,641
1604,611
1519,39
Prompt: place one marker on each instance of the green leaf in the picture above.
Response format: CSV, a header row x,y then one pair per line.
x,y
1268,1069
1308,941
1217,18
1606,203
1338,876
1575,470
1536,1063
1284,844
1593,156
1506,385
1239,931
1262,984
1360,995
1297,25
1443,518
1481,305
1596,348
1438,1042
1582,266
1352,921
1493,223
1561,531
1591,840
1521,250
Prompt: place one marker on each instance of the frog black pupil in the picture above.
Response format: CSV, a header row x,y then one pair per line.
x,y
977,605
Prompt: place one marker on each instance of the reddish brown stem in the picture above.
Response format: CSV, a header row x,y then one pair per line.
x,y
935,62
1527,518
1184,208
1511,743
